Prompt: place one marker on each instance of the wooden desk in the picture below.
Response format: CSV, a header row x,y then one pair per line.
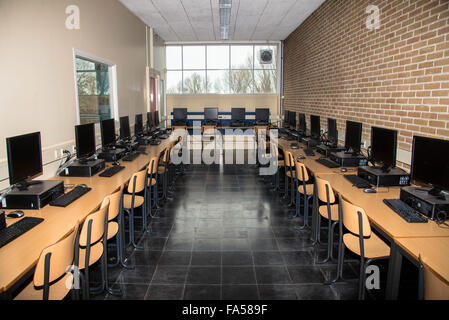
x,y
21,255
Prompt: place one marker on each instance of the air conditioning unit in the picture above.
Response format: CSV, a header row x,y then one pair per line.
x,y
266,56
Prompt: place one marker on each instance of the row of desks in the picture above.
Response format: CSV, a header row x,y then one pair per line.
x,y
429,240
20,256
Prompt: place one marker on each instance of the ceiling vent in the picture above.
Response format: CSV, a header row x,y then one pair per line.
x,y
225,18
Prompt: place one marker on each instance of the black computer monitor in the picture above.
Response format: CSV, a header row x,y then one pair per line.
x,y
383,147
150,123
107,128
156,119
302,123
24,157
332,131
430,163
263,115
211,114
180,114
85,140
238,114
292,120
353,139
138,126
286,118
315,127
125,132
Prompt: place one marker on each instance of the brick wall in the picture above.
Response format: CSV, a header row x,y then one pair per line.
x,y
395,77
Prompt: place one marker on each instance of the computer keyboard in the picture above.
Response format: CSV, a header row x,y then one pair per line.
x,y
309,152
328,163
357,181
111,171
141,149
17,229
155,142
69,197
404,211
163,137
130,157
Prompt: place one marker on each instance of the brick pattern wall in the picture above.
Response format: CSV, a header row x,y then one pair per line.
x,y
395,77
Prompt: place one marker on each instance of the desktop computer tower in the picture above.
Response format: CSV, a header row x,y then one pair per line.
x,y
35,198
89,169
310,142
427,204
112,155
348,160
327,150
395,178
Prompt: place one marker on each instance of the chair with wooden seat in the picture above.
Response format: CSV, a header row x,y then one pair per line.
x,y
305,189
52,279
290,177
329,211
163,172
115,227
132,200
274,153
151,186
361,241
90,247
431,285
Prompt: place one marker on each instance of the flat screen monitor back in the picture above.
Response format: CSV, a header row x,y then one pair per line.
x,y
302,123
150,123
353,138
315,127
211,114
430,163
24,157
125,132
263,115
238,114
384,146
156,119
180,114
332,133
85,140
107,128
138,126
292,120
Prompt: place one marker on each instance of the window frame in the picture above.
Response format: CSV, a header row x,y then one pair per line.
x,y
277,44
112,73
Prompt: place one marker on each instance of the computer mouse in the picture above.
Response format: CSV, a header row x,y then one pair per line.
x,y
16,214
83,186
344,170
301,157
116,163
370,191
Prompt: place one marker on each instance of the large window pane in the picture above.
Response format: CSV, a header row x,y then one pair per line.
x,y
241,81
92,81
242,57
174,82
194,82
265,81
174,57
218,81
194,57
257,62
218,57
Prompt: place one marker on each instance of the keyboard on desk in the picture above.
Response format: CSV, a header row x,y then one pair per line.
x,y
163,137
110,172
69,197
405,211
130,157
309,152
357,181
17,229
328,163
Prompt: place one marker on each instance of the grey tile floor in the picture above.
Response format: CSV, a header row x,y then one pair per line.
x,y
226,236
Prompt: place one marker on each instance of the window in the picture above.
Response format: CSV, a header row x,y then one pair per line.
x,y
221,69
92,79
